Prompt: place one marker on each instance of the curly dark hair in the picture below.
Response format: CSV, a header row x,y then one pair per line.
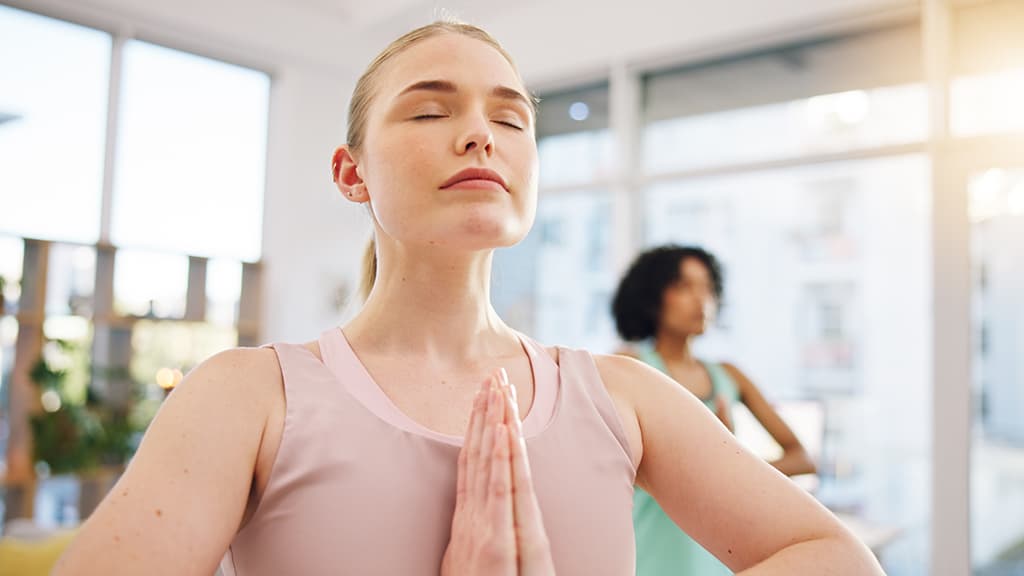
x,y
636,306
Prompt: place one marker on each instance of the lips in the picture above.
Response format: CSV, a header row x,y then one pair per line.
x,y
475,176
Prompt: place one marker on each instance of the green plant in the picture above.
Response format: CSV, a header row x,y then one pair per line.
x,y
75,432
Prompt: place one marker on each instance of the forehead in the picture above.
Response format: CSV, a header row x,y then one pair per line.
x,y
692,268
467,62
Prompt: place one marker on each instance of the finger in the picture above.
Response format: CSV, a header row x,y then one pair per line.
x,y
526,508
466,455
491,418
500,492
512,418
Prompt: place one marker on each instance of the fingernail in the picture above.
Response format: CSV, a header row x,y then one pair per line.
x,y
503,376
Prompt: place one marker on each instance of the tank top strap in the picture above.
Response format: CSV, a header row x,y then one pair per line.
x,y
343,362
648,355
721,381
306,380
546,386
580,377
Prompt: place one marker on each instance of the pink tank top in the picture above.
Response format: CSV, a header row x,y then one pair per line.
x,y
359,488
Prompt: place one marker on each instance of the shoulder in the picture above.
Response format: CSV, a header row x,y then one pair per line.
x,y
735,373
621,364
628,350
628,376
235,380
240,366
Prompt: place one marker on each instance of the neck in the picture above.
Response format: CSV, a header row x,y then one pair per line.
x,y
673,347
432,304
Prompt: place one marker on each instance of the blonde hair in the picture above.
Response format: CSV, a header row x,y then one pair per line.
x,y
363,93
369,269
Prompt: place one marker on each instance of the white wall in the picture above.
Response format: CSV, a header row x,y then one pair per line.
x,y
312,236
312,240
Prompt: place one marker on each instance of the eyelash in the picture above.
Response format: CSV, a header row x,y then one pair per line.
x,y
435,116
510,125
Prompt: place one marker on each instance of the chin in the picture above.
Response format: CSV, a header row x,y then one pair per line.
x,y
484,230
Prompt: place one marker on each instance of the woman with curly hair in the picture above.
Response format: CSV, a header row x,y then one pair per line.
x,y
667,298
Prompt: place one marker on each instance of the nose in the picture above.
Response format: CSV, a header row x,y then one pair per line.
x,y
476,136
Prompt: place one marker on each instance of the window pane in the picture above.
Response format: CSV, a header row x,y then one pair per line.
x,y
826,300
12,256
223,291
8,340
53,117
821,124
575,158
174,345
573,141
74,356
997,467
148,284
191,155
556,285
70,280
987,103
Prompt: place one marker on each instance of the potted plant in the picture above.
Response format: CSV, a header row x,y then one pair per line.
x,y
76,434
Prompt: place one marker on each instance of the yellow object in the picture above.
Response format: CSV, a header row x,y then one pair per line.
x,y
32,557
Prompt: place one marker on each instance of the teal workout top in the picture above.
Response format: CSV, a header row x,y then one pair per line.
x,y
662,549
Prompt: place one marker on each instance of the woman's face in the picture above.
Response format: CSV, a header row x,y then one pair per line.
x,y
449,157
689,304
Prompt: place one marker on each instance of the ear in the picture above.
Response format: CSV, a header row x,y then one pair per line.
x,y
344,171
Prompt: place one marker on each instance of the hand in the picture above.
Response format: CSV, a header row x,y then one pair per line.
x,y
722,411
483,539
531,537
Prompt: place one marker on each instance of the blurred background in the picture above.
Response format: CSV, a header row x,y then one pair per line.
x,y
857,165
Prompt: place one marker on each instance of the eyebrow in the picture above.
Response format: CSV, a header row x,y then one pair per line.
x,y
446,87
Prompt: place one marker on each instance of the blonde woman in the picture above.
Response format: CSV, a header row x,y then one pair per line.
x,y
425,436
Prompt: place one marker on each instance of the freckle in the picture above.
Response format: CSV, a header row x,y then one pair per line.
x,y
186,470
730,550
117,538
125,493
159,512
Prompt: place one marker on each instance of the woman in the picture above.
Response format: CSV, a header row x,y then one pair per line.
x,y
666,299
393,444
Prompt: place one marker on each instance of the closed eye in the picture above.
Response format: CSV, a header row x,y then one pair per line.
x,y
428,116
509,124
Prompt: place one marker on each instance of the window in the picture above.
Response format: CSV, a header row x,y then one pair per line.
x,y
997,256
573,140
556,284
988,68
826,264
191,155
119,308
53,119
826,96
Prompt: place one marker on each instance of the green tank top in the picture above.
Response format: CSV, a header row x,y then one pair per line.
x,y
662,549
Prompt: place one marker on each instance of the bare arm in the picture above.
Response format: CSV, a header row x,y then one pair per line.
x,y
795,459
180,502
734,504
